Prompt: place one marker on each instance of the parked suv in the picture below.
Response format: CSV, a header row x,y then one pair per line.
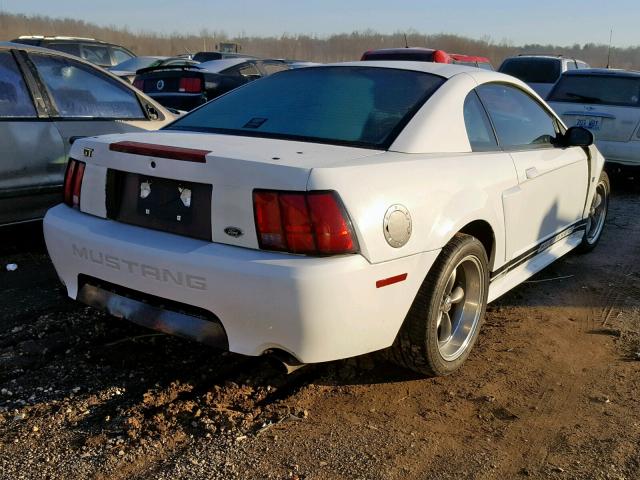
x,y
540,72
607,102
48,100
92,50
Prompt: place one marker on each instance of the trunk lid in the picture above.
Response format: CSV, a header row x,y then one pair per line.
x,y
221,175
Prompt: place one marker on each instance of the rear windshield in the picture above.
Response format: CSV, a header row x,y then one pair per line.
x,y
358,106
408,56
532,70
598,89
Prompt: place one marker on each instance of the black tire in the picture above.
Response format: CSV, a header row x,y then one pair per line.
x,y
593,234
417,345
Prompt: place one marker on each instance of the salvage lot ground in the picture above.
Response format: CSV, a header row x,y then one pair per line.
x,y
550,391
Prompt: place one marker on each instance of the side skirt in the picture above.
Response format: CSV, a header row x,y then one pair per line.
x,y
547,253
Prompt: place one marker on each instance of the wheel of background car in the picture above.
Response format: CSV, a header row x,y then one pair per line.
x,y
80,90
597,214
444,320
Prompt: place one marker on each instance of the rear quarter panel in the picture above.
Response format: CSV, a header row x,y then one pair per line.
x,y
443,193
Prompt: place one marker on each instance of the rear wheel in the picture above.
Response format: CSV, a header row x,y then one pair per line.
x,y
597,214
444,320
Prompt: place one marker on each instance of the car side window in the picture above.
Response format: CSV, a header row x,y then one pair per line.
x,y
274,67
244,70
520,121
70,48
97,54
572,65
120,55
15,100
479,129
81,91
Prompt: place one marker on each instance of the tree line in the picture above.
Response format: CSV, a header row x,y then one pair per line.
x,y
332,48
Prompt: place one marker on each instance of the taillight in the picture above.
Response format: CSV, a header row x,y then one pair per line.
x,y
139,83
311,223
190,85
73,182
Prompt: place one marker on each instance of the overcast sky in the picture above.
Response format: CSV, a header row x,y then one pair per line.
x,y
561,22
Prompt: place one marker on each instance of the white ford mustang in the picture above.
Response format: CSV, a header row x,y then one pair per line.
x,y
327,212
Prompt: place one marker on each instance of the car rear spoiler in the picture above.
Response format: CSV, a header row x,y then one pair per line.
x,y
167,67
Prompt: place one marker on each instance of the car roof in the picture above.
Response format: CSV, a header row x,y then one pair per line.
x,y
216,66
606,72
57,37
27,46
401,50
468,58
446,70
544,57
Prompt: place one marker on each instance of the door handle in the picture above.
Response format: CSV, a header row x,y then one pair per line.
x,y
531,172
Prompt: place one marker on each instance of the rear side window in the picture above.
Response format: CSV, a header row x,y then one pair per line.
x,y
243,70
80,91
274,67
206,56
520,121
70,48
597,89
120,55
532,70
359,106
15,100
479,130
97,54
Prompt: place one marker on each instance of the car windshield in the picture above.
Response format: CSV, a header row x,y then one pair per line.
x,y
532,70
598,89
358,106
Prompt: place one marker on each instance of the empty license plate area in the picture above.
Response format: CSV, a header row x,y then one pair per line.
x,y
174,206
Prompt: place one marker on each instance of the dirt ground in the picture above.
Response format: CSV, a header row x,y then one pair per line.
x,y
552,389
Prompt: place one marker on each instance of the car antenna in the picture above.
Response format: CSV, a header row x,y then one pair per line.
x,y
609,53
406,44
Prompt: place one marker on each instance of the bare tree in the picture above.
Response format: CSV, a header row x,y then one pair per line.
x,y
337,47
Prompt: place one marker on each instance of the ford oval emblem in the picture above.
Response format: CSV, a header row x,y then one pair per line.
x,y
160,84
234,232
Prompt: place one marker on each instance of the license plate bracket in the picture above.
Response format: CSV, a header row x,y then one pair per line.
x,y
162,205
164,199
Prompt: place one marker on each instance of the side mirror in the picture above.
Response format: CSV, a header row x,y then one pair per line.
x,y
577,137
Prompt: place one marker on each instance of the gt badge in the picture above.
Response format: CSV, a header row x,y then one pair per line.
x,y
160,84
88,152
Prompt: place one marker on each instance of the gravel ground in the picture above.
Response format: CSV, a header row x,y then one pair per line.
x,y
550,391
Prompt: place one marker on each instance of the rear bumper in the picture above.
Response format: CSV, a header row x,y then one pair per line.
x,y
316,309
204,330
624,153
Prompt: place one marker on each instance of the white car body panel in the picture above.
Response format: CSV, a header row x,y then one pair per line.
x,y
320,309
314,308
